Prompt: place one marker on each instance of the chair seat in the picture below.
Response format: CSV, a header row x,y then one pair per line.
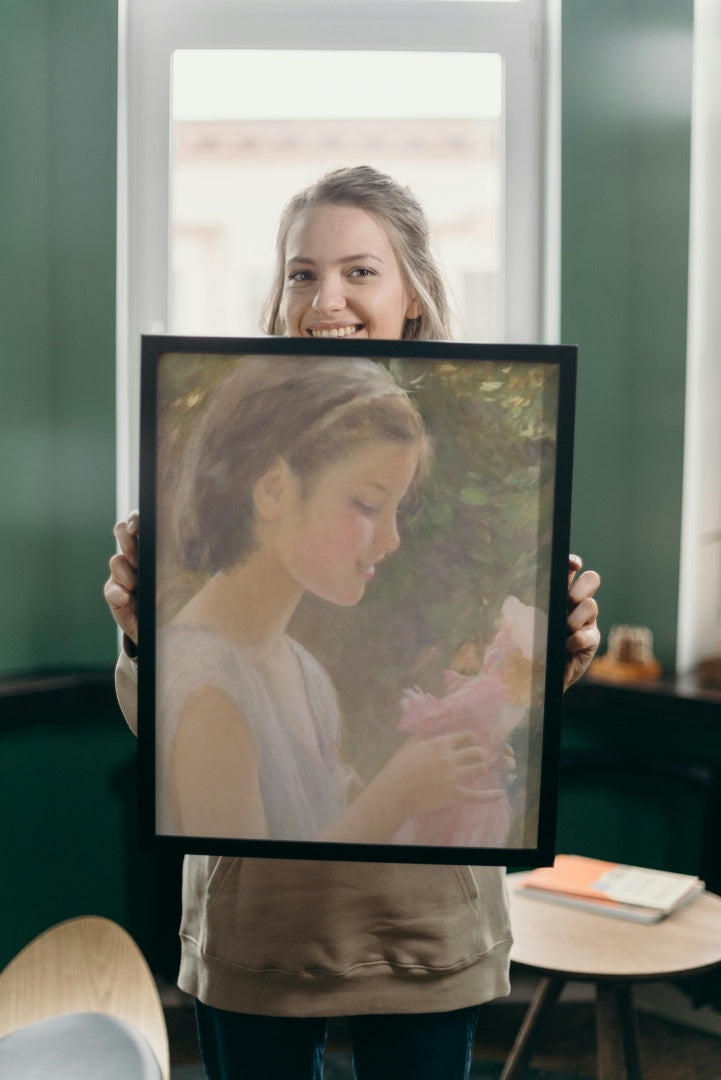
x,y
78,1046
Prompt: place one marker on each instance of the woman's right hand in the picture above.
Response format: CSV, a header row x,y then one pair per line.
x,y
121,587
432,771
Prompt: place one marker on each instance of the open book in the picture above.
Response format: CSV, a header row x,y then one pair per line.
x,y
608,888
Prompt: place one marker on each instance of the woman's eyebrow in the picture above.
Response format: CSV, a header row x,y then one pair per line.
x,y
361,257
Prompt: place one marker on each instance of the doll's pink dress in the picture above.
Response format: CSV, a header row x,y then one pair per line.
x,y
481,704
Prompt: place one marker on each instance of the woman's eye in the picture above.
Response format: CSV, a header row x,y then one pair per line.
x,y
299,276
362,272
365,508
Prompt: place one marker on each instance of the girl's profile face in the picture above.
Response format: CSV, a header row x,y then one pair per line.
x,y
331,538
342,277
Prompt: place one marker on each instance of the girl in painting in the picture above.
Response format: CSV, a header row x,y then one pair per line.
x,y
291,483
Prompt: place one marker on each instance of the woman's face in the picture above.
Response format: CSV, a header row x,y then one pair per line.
x,y
331,538
342,277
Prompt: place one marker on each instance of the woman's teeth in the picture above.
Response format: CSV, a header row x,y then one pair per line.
x,y
336,332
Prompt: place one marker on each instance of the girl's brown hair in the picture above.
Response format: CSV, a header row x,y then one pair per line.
x,y
308,411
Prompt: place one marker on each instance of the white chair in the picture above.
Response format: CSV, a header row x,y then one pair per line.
x,y
79,1002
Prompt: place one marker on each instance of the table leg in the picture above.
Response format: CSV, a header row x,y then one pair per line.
x,y
545,997
617,1033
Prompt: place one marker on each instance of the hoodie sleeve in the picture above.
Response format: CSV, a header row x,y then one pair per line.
x,y
126,688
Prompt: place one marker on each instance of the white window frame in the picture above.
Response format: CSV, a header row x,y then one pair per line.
x,y
526,34
699,597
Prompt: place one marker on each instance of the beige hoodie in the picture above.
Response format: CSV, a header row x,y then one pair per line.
x,y
287,937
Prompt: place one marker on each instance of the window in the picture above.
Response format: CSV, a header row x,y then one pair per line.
x,y
235,161
227,107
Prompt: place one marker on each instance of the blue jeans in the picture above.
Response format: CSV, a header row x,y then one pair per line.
x,y
415,1046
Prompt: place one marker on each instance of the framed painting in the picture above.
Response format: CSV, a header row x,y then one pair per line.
x,y
352,597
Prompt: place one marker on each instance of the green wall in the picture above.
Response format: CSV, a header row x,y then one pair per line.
x,y
626,104
626,136
67,773
626,146
58,72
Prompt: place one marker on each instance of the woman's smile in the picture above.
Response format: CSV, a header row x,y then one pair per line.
x,y
335,331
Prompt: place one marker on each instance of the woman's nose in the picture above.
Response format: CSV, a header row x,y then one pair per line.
x,y
329,295
389,539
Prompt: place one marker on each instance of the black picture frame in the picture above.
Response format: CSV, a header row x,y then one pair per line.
x,y
490,521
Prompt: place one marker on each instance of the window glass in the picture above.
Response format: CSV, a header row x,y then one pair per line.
x,y
251,127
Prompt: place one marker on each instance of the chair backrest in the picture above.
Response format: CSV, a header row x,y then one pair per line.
x,y
87,964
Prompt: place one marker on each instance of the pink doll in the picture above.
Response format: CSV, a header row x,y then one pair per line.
x,y
490,705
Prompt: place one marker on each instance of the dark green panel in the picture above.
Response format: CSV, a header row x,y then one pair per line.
x,y
58,75
641,779
62,785
68,790
626,146
26,492
82,204
625,816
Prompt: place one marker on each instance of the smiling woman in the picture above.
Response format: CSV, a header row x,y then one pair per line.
x,y
353,258
338,260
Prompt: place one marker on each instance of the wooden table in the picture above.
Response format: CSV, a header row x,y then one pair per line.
x,y
563,944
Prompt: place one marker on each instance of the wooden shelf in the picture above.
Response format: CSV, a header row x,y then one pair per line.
x,y
679,698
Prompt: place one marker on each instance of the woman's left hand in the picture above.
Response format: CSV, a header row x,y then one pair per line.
x,y
582,633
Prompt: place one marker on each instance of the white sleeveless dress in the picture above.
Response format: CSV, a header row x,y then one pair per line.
x,y
303,782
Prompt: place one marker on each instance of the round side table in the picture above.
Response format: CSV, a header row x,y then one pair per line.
x,y
563,944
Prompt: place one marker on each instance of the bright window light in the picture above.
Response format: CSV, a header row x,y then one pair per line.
x,y
220,84
239,155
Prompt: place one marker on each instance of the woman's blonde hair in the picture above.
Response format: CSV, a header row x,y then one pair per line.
x,y
309,411
402,216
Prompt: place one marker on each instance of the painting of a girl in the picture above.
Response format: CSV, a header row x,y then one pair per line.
x,y
291,484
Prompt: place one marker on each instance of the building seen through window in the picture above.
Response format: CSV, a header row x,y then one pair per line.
x,y
231,175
